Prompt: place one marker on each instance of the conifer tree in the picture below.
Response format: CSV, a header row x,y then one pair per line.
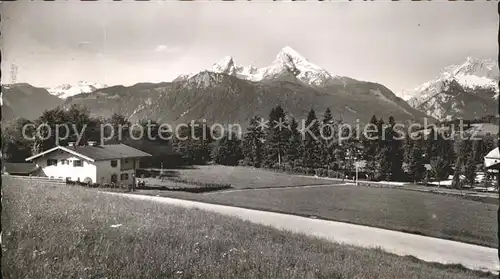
x,y
371,139
396,151
310,135
252,145
327,140
276,135
414,158
463,148
293,151
227,150
470,162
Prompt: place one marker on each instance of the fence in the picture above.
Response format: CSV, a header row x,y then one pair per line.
x,y
38,179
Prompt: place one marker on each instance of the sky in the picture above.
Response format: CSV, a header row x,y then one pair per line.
x,y
398,44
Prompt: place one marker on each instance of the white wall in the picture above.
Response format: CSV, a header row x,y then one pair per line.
x,y
99,172
88,170
127,164
105,170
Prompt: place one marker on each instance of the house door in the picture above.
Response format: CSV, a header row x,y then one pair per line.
x,y
114,178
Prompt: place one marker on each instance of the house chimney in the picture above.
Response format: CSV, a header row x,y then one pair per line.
x,y
92,143
71,143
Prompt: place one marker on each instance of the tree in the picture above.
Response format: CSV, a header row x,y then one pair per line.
x,y
464,148
227,150
396,151
439,168
293,150
46,138
327,140
414,159
371,145
119,127
311,148
470,162
276,135
15,146
439,146
194,143
59,126
383,168
353,150
253,144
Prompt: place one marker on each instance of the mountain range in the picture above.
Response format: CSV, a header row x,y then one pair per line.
x,y
230,93
468,90
24,100
67,90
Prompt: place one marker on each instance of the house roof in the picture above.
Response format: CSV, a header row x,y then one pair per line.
x,y
25,168
98,153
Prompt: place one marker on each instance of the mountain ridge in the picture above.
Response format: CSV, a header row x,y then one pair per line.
x,y
460,91
64,91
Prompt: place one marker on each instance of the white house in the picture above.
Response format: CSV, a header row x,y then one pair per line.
x,y
105,164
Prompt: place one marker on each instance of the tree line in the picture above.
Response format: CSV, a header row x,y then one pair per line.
x,y
384,152
328,148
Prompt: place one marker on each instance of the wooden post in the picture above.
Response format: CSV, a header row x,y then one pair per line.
x,y
133,175
356,174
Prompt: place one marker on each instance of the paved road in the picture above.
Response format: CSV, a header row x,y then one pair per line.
x,y
422,247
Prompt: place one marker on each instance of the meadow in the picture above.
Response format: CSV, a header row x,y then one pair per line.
x,y
61,231
424,213
244,177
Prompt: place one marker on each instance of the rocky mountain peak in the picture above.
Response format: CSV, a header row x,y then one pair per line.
x,y
475,83
287,62
225,66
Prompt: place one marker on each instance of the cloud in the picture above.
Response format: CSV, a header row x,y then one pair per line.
x,y
83,44
166,49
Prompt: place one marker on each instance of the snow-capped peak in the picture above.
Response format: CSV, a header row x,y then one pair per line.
x,y
288,53
64,91
287,61
475,76
477,67
473,73
225,65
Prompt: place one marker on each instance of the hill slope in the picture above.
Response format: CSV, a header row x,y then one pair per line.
x,y
24,100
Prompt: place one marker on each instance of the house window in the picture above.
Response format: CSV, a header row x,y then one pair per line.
x,y
51,162
64,162
124,176
114,163
77,163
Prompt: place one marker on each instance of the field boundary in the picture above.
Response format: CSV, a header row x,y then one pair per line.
x,y
412,187
278,188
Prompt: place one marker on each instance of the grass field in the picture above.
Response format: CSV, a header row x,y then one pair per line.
x,y
61,231
428,214
245,177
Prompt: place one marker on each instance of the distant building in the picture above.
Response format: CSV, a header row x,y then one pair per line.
x,y
91,164
492,159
